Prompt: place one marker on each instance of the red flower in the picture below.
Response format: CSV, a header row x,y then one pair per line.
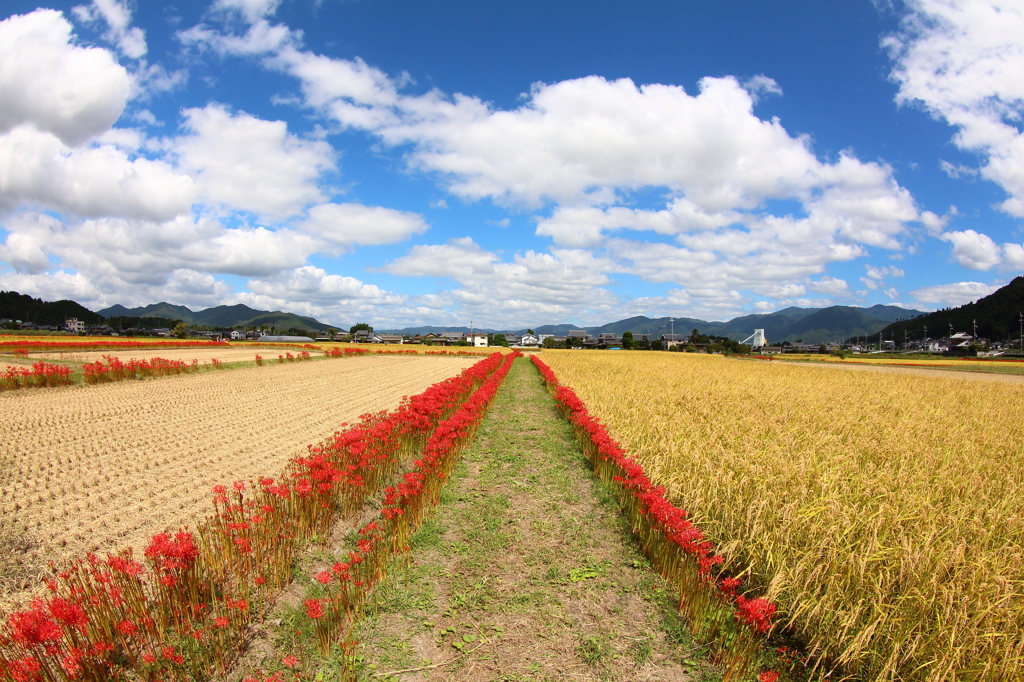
x,y
314,608
324,577
768,676
127,628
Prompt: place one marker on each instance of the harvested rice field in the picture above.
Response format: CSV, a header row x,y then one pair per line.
x,y
222,353
103,467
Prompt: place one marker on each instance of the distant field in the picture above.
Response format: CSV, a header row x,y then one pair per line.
x,y
99,468
223,353
883,511
994,365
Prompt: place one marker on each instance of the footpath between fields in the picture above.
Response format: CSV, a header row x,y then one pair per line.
x,y
526,571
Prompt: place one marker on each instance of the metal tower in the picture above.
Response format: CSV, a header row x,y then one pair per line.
x,y
756,340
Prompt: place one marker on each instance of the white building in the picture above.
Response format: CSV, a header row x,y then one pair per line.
x,y
73,324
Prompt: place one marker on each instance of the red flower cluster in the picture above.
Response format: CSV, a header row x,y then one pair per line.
x,y
41,375
114,369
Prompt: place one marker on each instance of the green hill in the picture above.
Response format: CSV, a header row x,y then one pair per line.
x,y
15,306
997,316
222,316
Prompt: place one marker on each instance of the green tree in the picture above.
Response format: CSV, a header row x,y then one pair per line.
x,y
627,340
180,331
529,331
498,340
359,327
656,344
331,332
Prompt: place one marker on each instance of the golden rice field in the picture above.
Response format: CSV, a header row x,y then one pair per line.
x,y
883,512
101,467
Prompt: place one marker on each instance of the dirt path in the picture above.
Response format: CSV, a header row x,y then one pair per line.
x,y
524,572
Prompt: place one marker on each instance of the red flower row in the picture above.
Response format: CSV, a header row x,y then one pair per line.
x,y
677,548
41,375
184,614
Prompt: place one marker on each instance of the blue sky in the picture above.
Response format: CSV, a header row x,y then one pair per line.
x,y
513,164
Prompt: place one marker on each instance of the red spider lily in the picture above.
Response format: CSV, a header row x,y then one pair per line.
x,y
34,626
314,608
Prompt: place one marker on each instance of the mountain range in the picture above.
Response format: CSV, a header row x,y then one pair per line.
x,y
997,316
219,316
810,325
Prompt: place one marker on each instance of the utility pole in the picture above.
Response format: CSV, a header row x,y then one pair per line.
x,y
1022,333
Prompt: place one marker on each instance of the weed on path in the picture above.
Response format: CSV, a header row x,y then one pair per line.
x,y
525,571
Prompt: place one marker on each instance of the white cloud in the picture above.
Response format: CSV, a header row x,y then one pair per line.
x,y
957,170
36,168
880,274
830,286
962,61
346,225
131,41
145,252
974,250
313,286
248,164
760,85
531,286
954,294
251,10
54,86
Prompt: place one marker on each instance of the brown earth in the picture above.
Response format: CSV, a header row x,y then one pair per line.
x,y
98,468
202,354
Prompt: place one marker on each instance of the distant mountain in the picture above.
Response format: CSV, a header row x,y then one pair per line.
x,y
997,316
810,325
219,316
428,329
555,329
164,310
15,306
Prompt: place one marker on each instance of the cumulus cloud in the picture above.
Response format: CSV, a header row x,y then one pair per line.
x,y
974,250
346,225
36,168
146,252
248,164
962,61
54,86
954,294
530,286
